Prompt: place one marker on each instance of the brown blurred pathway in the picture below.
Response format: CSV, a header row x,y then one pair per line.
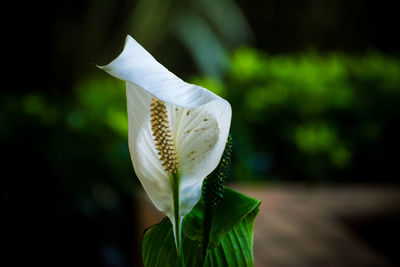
x,y
327,226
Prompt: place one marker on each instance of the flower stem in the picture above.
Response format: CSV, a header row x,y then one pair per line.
x,y
175,181
208,216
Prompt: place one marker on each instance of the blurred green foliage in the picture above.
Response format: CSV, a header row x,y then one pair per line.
x,y
68,173
310,116
81,138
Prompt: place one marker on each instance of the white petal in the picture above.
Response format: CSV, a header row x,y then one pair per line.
x,y
137,66
199,121
200,135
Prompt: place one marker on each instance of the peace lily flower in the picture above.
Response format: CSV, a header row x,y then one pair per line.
x,y
177,131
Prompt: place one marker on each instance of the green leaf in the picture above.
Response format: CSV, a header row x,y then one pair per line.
x,y
232,210
158,247
231,235
236,247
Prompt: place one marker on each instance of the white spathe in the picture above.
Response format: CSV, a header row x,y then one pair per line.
x,y
199,121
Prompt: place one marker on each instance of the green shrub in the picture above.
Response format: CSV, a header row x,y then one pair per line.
x,y
311,116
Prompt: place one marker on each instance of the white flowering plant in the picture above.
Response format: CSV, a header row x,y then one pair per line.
x,y
180,148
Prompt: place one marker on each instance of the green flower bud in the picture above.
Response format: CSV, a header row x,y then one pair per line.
x,y
213,186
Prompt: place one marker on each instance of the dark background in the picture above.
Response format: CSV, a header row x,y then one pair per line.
x,y
68,187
